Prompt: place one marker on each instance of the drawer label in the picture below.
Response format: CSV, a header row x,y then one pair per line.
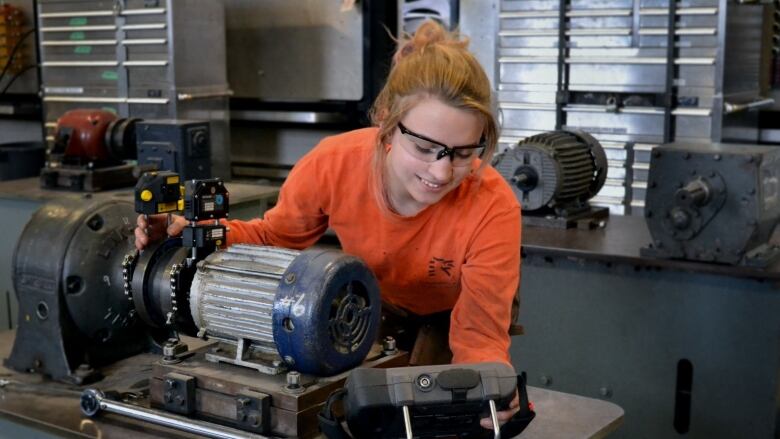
x,y
78,21
110,75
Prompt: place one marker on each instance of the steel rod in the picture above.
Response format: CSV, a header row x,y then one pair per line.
x,y
93,402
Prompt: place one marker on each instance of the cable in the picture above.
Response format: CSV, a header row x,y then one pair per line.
x,y
13,78
13,52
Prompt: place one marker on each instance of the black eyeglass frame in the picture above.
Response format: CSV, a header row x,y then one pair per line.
x,y
447,150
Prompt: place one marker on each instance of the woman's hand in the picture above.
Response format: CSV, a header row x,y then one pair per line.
x,y
153,229
503,416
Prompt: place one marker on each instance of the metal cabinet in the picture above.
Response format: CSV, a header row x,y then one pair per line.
x,y
158,59
612,76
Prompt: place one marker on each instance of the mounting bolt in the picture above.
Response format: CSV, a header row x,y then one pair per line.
x,y
170,384
389,346
293,379
547,381
606,392
243,402
294,382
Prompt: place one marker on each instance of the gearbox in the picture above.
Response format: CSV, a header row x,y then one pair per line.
x,y
714,203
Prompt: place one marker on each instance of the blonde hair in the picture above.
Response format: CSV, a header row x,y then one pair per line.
x,y
431,63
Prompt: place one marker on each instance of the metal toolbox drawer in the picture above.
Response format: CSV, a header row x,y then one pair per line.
x,y
530,5
97,76
77,53
140,74
146,4
526,71
56,9
527,117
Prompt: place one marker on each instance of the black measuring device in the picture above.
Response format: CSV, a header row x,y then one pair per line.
x,y
202,202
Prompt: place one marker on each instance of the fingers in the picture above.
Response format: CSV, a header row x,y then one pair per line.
x,y
503,416
141,240
177,225
148,230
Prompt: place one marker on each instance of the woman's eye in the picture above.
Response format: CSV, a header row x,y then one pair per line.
x,y
464,153
425,149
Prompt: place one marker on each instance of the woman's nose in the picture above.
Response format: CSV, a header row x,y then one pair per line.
x,y
441,169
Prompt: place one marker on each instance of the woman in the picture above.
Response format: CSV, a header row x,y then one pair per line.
x,y
414,197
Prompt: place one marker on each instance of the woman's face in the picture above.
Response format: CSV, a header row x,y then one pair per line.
x,y
415,183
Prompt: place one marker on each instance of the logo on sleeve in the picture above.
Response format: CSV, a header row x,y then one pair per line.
x,y
436,264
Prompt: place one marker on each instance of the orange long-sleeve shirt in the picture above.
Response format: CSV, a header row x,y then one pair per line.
x,y
463,253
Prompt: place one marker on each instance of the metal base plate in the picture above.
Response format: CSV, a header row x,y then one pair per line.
x,y
220,389
586,219
83,179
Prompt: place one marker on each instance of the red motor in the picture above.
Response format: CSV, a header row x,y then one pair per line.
x,y
94,136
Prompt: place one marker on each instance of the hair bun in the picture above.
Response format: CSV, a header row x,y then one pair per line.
x,y
429,33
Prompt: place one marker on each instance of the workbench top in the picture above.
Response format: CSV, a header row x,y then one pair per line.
x,y
29,189
31,406
620,241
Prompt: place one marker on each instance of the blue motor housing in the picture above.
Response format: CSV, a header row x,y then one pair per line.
x,y
326,312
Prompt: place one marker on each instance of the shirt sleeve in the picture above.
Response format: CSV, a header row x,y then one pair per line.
x,y
479,329
300,216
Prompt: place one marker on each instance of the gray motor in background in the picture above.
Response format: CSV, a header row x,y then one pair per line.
x,y
714,203
181,146
553,175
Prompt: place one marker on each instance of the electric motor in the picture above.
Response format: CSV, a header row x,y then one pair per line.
x,y
554,169
318,309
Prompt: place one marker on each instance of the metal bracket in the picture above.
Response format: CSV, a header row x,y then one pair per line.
x,y
179,393
253,411
240,355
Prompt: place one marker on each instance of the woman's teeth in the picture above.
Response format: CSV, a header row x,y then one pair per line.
x,y
429,184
